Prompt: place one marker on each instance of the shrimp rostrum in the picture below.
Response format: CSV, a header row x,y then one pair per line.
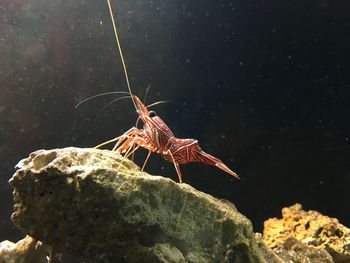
x,y
156,136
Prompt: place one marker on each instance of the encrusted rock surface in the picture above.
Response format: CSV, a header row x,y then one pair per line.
x,y
27,250
90,204
307,236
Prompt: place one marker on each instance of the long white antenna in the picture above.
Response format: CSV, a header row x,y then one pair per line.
x,y
120,51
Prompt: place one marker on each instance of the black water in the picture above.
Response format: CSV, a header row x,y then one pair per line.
x,y
262,85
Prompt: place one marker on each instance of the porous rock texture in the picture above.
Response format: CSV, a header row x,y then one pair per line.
x,y
27,250
307,236
93,205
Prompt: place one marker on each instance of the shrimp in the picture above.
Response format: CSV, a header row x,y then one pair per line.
x,y
156,136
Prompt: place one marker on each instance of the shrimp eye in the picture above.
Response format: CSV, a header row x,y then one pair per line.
x,y
152,114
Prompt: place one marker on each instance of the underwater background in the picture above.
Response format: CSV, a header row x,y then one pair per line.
x,y
264,86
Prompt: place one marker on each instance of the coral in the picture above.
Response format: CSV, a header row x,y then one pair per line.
x,y
102,208
307,236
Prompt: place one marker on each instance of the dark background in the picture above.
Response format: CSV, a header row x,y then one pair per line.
x,y
263,85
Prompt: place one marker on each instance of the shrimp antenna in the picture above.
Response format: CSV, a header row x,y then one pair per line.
x,y
99,95
120,51
146,94
156,103
108,104
111,102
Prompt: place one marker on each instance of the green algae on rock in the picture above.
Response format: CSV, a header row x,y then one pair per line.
x,y
93,205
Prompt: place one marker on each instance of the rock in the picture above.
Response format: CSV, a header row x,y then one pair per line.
x,y
293,250
307,236
93,205
268,253
27,250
